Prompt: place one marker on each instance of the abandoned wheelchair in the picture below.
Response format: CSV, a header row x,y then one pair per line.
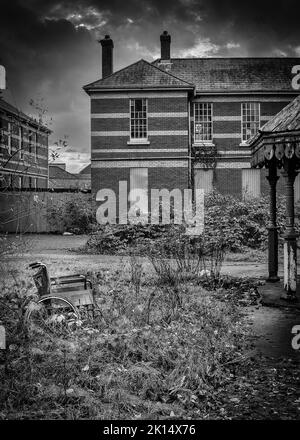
x,y
64,302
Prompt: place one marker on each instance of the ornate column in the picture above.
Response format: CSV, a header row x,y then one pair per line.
x,y
272,227
290,236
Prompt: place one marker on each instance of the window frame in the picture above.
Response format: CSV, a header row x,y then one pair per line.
x,y
243,141
208,105
138,139
21,143
9,137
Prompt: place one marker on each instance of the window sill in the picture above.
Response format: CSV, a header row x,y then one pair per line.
x,y
138,142
203,144
244,144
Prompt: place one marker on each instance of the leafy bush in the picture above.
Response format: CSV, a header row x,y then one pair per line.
x,y
114,239
76,215
238,224
241,223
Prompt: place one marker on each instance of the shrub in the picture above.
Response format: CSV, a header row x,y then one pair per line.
x,y
238,224
241,223
76,215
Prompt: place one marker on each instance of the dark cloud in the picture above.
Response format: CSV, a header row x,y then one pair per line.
x,y
50,48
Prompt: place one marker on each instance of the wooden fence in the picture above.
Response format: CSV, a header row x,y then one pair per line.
x,y
27,212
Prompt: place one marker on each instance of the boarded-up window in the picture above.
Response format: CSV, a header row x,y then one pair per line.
x,y
297,188
139,188
251,183
204,179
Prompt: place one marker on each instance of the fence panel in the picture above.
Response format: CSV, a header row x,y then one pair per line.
x,y
22,212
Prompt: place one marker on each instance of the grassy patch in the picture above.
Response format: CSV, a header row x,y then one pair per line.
x,y
146,356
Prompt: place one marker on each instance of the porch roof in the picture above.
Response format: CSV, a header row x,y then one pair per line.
x,y
280,136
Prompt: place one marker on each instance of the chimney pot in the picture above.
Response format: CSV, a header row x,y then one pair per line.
x,y
165,44
107,56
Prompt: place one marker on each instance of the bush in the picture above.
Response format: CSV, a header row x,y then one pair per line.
x,y
76,215
241,223
114,239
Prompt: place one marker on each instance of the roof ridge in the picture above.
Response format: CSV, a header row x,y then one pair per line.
x,y
183,82
113,73
61,169
170,74
11,108
231,58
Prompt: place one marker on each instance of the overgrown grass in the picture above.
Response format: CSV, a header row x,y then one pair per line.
x,y
146,356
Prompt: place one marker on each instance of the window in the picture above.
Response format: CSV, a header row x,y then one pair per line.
x,y
34,147
250,183
138,118
32,182
203,112
250,119
21,143
32,144
9,137
20,178
139,191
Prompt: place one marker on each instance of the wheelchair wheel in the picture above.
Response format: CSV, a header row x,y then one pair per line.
x,y
52,315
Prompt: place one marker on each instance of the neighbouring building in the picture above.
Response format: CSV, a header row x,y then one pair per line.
x,y
23,150
184,122
61,179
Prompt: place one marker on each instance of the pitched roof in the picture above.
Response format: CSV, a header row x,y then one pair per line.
x,y
288,119
8,108
86,170
235,74
140,75
55,172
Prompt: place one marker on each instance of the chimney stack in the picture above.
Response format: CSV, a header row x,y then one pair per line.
x,y
107,56
165,43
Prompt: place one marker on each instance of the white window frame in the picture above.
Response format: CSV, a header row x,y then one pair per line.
x,y
208,105
35,146
141,138
20,145
249,103
9,133
32,144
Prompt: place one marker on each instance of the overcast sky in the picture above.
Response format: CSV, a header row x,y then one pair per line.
x,y
50,48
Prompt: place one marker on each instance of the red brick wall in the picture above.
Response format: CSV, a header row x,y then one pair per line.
x,y
158,178
228,181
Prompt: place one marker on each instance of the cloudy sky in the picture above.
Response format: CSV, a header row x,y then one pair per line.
x,y
50,48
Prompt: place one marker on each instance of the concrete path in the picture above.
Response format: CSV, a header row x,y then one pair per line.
x,y
272,331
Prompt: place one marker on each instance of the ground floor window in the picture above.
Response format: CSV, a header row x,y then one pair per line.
x,y
139,189
203,179
251,183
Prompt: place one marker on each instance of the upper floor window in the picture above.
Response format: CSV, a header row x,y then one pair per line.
x,y
9,133
32,144
250,119
138,118
203,129
21,143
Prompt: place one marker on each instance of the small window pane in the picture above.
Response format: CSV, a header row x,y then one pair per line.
x,y
138,118
250,119
203,122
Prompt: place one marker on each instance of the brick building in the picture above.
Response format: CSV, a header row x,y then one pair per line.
x,y
23,150
178,123
60,178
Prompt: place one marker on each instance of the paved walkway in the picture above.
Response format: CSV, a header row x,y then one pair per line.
x,y
272,331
